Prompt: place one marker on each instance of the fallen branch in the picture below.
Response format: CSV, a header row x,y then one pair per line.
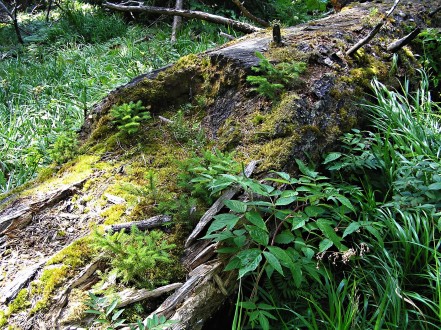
x,y
241,26
372,34
153,222
247,14
131,296
176,21
393,47
217,206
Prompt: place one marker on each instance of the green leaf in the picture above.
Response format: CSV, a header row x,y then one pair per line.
x,y
116,315
236,206
111,307
285,237
272,260
346,202
325,244
263,321
353,226
258,235
308,252
256,219
250,260
247,305
297,275
281,255
92,311
331,157
314,211
298,220
285,200
223,220
435,186
234,263
329,232
306,170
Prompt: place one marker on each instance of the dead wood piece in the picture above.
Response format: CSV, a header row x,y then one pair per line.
x,y
22,278
201,299
374,31
249,15
20,212
226,35
153,222
176,21
115,199
198,253
131,296
241,26
199,276
217,206
62,298
165,120
395,46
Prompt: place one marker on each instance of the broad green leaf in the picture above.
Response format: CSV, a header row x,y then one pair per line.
x,y
353,226
285,200
272,260
258,235
234,263
228,250
435,186
314,211
297,275
240,240
325,244
346,202
250,260
329,232
285,237
305,169
256,219
298,220
116,315
308,252
263,321
281,255
289,193
236,206
223,220
111,307
247,305
331,157
283,175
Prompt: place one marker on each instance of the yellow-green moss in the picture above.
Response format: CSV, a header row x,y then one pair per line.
x,y
76,306
113,214
20,302
45,286
274,154
76,254
3,318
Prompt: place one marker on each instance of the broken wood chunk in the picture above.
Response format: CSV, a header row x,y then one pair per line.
x,y
153,222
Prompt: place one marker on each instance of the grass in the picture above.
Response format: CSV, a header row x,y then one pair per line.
x,y
67,65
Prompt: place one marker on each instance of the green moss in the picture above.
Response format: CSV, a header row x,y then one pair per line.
x,y
3,318
74,255
20,302
275,153
45,286
113,214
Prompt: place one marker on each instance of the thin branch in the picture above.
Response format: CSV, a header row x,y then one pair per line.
x,y
177,20
372,34
393,47
249,15
434,12
241,26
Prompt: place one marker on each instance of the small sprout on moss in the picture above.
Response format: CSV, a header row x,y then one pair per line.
x,y
128,116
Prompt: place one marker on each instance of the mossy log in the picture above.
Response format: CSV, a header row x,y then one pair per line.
x,y
306,117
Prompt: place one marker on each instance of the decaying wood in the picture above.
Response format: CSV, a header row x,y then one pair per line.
x,y
198,253
374,31
62,298
18,214
217,206
240,26
198,298
395,46
153,222
131,296
22,279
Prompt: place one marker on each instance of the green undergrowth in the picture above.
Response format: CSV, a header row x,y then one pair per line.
x,y
351,243
70,63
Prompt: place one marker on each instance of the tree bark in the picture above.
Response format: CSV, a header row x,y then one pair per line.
x,y
240,26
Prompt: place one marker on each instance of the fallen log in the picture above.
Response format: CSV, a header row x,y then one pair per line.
x,y
150,223
240,26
